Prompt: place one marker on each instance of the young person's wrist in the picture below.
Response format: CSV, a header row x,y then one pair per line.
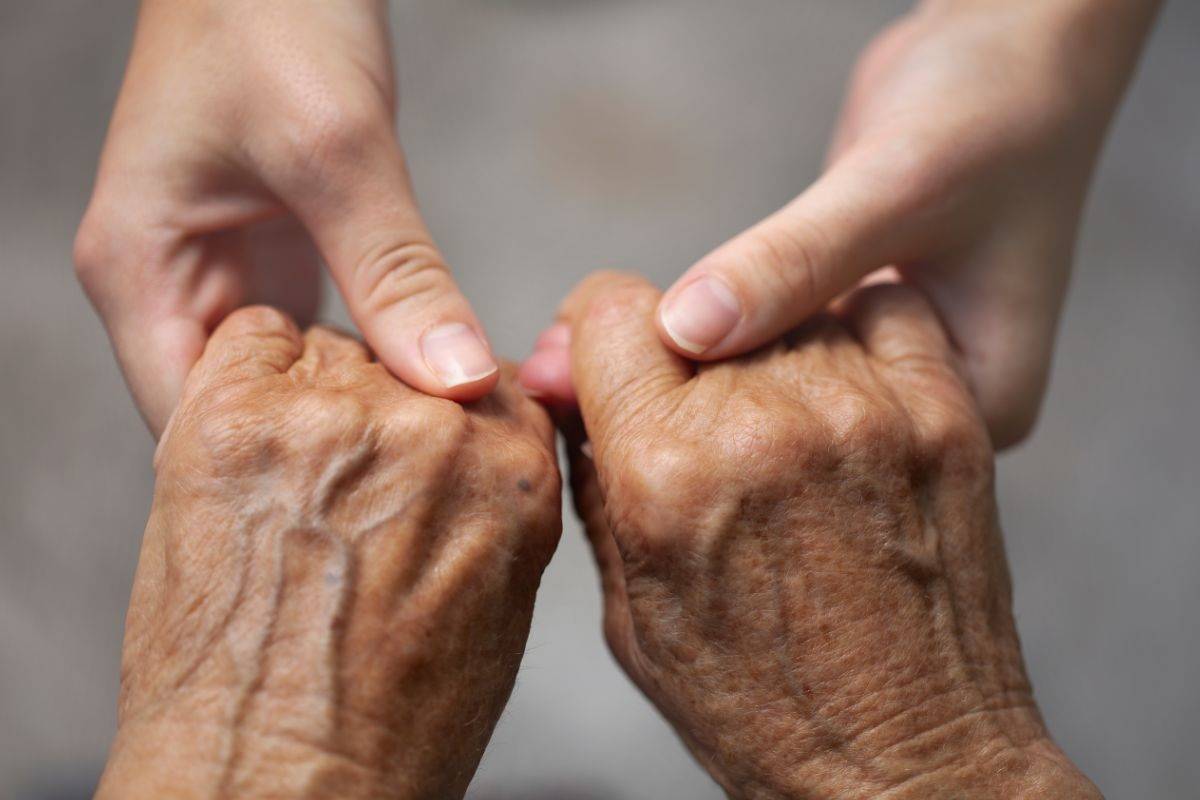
x,y
1101,39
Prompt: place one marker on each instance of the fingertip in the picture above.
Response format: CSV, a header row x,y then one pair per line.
x,y
557,335
250,342
451,360
473,390
458,357
698,315
546,376
258,320
604,284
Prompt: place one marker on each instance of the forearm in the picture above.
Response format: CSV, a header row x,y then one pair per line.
x,y
1132,14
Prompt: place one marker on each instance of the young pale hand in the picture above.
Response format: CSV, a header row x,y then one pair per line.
x,y
963,157
799,551
249,136
336,580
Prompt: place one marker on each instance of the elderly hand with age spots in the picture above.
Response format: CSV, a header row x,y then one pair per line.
x,y
799,550
336,580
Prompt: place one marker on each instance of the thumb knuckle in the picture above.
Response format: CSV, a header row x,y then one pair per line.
x,y
790,259
401,273
92,251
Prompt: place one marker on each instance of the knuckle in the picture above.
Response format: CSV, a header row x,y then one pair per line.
x,y
242,430
536,469
653,493
335,128
528,473
450,418
401,273
658,472
320,421
756,440
438,428
879,302
90,252
253,334
258,321
882,50
232,427
98,245
863,427
948,433
859,420
620,301
923,175
604,281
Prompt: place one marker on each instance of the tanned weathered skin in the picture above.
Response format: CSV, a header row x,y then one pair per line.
x,y
337,577
800,554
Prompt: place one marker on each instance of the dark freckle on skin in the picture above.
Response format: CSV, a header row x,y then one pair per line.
x,y
524,485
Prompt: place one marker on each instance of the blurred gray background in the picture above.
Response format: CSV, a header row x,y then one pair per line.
x,y
548,139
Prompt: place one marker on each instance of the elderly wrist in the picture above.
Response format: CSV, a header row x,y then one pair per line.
x,y
1010,773
1003,754
195,759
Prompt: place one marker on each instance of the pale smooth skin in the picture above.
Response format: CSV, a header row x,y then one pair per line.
x,y
247,130
799,551
336,580
963,155
249,137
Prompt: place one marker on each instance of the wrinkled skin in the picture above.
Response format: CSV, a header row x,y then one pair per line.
x,y
800,554
336,580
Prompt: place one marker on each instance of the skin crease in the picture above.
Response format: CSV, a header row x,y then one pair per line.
x,y
336,580
963,155
252,135
800,554
250,139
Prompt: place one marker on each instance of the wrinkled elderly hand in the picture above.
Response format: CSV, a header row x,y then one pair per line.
x,y
800,553
336,580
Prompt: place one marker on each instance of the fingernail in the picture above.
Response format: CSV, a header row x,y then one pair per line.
x,y
456,354
530,392
701,314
